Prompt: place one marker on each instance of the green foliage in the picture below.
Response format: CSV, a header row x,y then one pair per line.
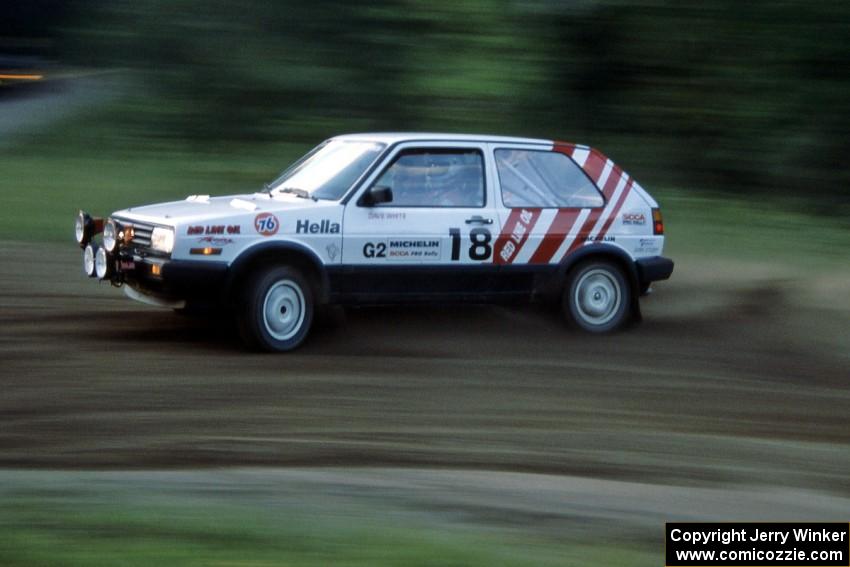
x,y
724,96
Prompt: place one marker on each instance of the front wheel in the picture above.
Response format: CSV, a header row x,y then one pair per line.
x,y
597,297
276,310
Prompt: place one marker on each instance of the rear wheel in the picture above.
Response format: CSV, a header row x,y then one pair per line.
x,y
276,309
597,297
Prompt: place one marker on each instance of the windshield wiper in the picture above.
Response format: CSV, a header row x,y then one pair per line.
x,y
303,193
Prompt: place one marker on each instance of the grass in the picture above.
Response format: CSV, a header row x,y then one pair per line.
x,y
43,191
113,523
100,159
705,226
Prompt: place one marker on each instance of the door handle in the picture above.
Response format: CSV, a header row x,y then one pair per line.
x,y
477,219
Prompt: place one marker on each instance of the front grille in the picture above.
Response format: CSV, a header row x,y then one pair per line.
x,y
142,234
141,242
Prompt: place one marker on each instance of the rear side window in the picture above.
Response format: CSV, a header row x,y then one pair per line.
x,y
533,178
436,177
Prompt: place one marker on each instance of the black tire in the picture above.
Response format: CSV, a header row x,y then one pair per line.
x,y
276,309
597,297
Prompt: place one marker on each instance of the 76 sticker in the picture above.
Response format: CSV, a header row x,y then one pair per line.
x,y
266,224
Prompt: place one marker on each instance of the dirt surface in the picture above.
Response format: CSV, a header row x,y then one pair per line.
x,y
736,377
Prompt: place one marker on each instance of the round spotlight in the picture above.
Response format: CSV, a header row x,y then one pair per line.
x,y
102,265
110,236
88,260
83,228
79,228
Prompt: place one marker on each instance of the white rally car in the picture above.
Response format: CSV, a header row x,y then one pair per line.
x,y
382,218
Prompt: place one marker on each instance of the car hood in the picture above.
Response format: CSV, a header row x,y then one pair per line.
x,y
200,208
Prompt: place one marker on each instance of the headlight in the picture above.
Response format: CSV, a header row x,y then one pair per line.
x,y
102,264
110,232
88,260
162,239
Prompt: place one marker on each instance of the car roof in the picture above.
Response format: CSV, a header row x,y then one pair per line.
x,y
394,137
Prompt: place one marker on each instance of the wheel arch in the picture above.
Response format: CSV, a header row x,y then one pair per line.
x,y
611,253
281,253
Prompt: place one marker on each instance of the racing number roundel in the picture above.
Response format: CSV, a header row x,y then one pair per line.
x,y
266,224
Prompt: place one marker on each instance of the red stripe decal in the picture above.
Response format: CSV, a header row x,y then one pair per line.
x,y
611,183
558,231
585,229
504,236
514,234
565,218
564,148
588,225
616,210
594,165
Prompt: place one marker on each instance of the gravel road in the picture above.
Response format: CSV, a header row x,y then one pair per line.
x,y
730,380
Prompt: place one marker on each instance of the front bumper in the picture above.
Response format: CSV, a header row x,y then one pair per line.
x,y
173,279
654,269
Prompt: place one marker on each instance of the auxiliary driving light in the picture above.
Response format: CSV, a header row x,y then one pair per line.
x,y
86,227
88,260
83,228
102,264
110,235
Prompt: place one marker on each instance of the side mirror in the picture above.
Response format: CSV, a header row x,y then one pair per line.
x,y
376,195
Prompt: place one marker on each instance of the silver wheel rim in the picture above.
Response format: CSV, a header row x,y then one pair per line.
x,y
283,310
597,296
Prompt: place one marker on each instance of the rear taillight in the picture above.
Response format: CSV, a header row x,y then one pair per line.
x,y
657,222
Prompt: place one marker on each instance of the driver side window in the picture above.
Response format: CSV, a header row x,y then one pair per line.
x,y
434,177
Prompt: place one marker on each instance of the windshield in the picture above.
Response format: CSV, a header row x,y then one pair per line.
x,y
329,170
